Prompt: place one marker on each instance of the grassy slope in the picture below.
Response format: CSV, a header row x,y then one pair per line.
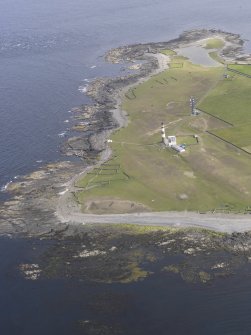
x,y
210,174
214,43
168,52
242,68
231,101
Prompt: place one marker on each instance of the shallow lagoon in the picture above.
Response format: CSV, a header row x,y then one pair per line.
x,y
198,55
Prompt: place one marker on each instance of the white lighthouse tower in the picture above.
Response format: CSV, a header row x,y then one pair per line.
x,y
163,133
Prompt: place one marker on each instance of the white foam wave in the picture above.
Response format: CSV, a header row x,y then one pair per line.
x,y
93,66
5,187
82,89
63,134
66,121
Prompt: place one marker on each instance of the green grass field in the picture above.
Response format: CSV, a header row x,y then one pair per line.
x,y
168,52
214,43
246,69
230,100
209,175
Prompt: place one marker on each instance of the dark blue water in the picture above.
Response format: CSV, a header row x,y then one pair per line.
x,y
161,304
47,49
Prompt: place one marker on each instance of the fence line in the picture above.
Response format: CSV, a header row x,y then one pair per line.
x,y
216,117
228,142
239,72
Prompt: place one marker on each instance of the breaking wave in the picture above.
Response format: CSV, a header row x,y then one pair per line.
x,y
5,187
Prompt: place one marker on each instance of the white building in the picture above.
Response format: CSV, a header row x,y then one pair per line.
x,y
171,141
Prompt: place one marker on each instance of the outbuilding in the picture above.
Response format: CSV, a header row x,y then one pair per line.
x,y
171,141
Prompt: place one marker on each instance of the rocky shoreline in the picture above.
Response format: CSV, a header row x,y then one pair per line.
x,y
31,209
114,254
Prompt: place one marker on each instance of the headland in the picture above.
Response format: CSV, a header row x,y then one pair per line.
x,y
50,202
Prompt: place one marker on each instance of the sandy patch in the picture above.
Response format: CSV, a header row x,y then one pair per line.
x,y
189,174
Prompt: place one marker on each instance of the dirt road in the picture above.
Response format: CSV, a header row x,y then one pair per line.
x,y
226,223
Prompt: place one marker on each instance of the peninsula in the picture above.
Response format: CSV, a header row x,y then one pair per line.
x,y
129,175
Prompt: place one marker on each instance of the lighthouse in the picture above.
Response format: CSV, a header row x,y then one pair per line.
x,y
163,133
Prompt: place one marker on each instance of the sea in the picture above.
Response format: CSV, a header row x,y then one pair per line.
x,y
49,51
